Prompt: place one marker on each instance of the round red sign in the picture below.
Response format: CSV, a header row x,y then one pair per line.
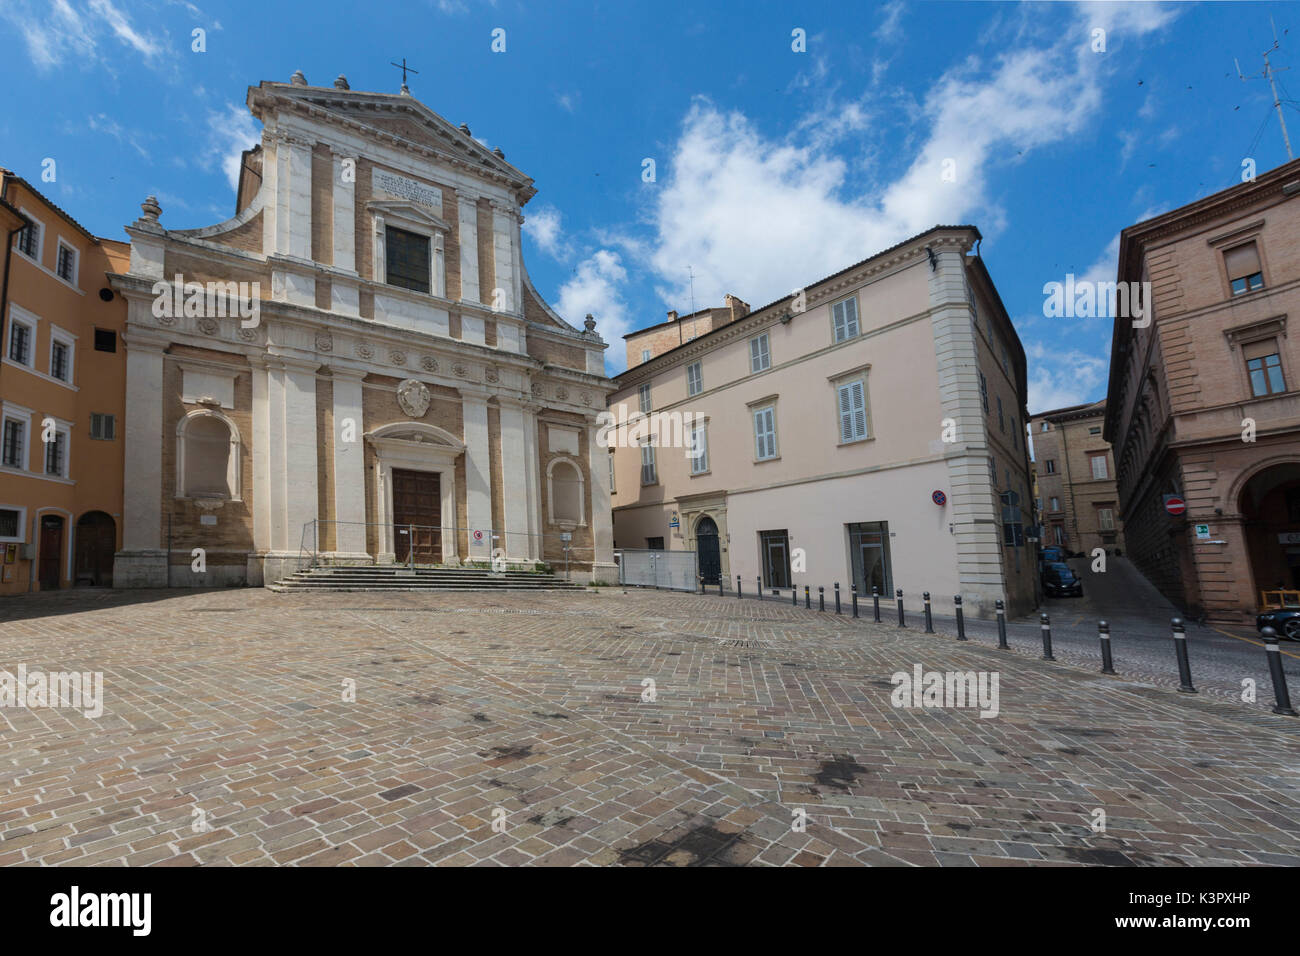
x,y
939,498
1175,505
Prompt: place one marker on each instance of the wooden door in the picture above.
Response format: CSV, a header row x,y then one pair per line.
x,y
417,512
95,543
51,551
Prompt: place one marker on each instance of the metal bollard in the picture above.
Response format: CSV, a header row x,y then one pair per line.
x,y
902,622
794,596
758,586
855,600
837,597
929,621
1280,695
1002,624
821,598
1184,665
739,595
1103,632
1046,625
807,598
875,602
961,617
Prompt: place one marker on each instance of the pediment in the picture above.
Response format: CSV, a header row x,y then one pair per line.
x,y
404,209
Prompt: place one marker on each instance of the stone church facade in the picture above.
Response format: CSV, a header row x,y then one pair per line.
x,y
356,365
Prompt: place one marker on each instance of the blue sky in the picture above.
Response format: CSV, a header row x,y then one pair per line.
x,y
773,168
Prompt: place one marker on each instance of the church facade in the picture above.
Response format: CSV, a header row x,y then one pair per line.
x,y
356,366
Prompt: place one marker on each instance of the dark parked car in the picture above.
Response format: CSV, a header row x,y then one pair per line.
x,y
1286,621
1050,555
1059,581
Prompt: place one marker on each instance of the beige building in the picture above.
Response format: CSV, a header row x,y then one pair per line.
x,y
356,363
1076,495
1203,401
862,431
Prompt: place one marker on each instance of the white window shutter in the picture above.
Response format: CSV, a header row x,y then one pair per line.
x,y
859,410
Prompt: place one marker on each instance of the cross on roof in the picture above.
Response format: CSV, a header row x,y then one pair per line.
x,y
405,69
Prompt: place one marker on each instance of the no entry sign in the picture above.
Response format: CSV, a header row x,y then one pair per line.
x,y
1175,505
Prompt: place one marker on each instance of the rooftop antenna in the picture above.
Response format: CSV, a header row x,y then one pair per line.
x,y
1267,74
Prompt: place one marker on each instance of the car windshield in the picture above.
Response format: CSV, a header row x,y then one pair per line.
x,y
1061,572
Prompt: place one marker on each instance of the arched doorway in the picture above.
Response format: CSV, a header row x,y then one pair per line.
x,y
707,550
51,557
1270,510
95,544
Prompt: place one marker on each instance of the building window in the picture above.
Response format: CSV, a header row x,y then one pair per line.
x,y
655,544
774,547
66,264
648,474
29,240
645,355
1046,426
15,444
760,355
1264,366
1005,365
12,524
1058,533
993,472
1015,432
103,427
1049,466
406,255
984,393
20,342
1002,422
1244,272
1106,519
765,433
1054,504
694,378
1099,467
207,460
56,454
565,492
1095,430
845,316
852,401
105,340
699,450
60,359
643,397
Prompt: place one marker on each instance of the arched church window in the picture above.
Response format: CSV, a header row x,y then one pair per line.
x,y
565,487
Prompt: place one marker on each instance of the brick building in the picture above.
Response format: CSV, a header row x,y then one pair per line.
x,y
1203,401
356,362
1075,470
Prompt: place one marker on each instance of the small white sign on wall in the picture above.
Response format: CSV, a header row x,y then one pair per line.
x,y
393,186
207,519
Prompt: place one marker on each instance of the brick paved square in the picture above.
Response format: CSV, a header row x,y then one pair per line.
x,y
510,729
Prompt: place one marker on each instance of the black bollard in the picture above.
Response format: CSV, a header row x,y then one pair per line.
x,y
739,595
1002,624
875,602
837,597
855,600
1180,649
807,598
961,617
758,586
821,598
1046,625
929,621
794,596
1280,694
902,622
1103,632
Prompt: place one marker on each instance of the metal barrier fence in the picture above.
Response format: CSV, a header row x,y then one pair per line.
x,y
674,570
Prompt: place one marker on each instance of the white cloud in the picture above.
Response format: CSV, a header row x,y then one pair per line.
x,y
1059,379
594,289
568,102
122,29
231,132
889,30
542,225
59,32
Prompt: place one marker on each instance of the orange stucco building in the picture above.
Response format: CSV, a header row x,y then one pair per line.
x,y
62,395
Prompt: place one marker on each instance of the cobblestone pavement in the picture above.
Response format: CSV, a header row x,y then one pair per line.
x,y
226,708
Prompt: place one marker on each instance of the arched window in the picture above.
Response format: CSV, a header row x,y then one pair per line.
x,y
564,486
207,456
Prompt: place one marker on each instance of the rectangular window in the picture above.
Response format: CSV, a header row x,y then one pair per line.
x,y
59,360
1264,366
643,397
1049,466
760,354
845,315
1244,271
1002,422
1046,427
648,474
56,455
1005,365
66,266
765,433
1058,533
14,444
10,524
1106,519
699,451
655,544
103,427
984,393
853,411
1015,432
1095,431
105,340
694,378
20,342
775,551
1054,504
645,355
993,472
406,255
29,240
1099,466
